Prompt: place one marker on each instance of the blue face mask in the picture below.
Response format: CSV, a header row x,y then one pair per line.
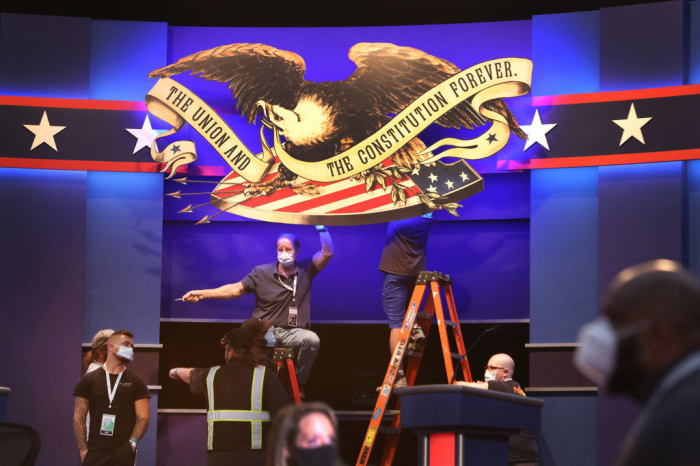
x,y
126,352
270,339
285,258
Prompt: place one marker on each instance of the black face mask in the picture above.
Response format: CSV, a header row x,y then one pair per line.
x,y
627,377
321,456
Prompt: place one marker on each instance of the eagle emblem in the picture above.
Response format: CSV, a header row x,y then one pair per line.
x,y
314,123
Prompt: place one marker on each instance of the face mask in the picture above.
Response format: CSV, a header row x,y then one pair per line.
x,y
628,376
595,357
285,258
488,376
270,339
321,456
126,352
610,357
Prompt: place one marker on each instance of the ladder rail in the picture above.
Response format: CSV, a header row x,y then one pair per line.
x,y
442,328
466,371
390,376
411,375
291,372
436,282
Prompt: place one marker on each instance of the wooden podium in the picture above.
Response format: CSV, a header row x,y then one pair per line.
x,y
465,426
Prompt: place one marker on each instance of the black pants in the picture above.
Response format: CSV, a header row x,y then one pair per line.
x,y
120,456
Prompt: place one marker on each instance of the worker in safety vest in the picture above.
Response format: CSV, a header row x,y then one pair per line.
x,y
242,398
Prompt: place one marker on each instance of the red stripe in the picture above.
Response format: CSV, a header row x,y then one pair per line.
x,y
346,193
322,200
613,96
648,157
370,204
143,167
54,102
442,449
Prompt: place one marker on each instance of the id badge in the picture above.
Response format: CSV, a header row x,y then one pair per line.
x,y
107,426
292,322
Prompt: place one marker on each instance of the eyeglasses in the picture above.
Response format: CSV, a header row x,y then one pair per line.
x,y
493,368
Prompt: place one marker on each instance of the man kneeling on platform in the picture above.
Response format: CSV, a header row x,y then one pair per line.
x,y
242,394
498,376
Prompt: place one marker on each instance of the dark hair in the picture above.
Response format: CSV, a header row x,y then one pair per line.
x,y
285,428
242,343
659,289
291,237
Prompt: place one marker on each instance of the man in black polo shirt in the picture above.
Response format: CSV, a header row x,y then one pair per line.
x,y
283,295
498,376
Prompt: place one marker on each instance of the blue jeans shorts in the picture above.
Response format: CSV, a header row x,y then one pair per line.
x,y
396,294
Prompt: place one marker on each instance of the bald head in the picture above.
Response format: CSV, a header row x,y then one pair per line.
x,y
505,363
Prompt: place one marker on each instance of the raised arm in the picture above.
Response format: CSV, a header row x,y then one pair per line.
x,y
322,257
79,430
180,373
230,291
143,418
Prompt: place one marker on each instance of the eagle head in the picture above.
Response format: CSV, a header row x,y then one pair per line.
x,y
307,128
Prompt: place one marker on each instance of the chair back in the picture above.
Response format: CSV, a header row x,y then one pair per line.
x,y
19,444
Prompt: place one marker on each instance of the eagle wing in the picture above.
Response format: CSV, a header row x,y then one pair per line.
x,y
393,77
253,71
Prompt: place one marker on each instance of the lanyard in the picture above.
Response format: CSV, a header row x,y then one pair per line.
x,y
293,290
110,392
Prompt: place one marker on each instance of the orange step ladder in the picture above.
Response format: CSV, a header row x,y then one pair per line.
x,y
280,355
435,282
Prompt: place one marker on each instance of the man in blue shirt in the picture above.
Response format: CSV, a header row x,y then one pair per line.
x,y
283,295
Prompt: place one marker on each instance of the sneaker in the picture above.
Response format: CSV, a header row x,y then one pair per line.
x,y
417,338
400,382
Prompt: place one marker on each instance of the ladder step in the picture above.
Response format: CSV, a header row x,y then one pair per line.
x,y
451,324
411,353
389,430
426,277
458,356
424,315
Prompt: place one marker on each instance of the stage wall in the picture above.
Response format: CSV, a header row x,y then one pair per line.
x,y
86,250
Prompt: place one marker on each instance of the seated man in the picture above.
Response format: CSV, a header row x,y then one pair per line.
x,y
498,375
283,295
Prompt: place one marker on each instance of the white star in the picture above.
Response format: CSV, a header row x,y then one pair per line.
x,y
415,170
44,133
632,126
464,176
433,178
537,132
432,189
449,184
144,135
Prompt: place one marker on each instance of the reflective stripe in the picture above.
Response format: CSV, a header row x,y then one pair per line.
x,y
210,393
255,416
256,396
237,415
